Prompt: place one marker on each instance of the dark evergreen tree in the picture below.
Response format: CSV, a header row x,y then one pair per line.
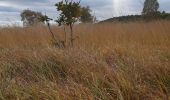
x,y
150,6
86,16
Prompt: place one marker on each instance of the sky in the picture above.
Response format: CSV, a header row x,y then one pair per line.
x,y
10,9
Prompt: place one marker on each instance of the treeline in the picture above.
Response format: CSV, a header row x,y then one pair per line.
x,y
150,17
150,12
30,17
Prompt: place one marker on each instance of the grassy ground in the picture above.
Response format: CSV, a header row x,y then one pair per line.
x,y
120,61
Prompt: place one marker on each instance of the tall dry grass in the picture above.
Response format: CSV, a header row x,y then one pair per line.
x,y
121,61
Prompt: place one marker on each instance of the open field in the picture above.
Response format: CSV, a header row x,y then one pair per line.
x,y
111,61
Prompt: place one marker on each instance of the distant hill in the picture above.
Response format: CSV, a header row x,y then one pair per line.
x,y
151,17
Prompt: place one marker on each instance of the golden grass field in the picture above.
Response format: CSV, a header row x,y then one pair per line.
x,y
109,61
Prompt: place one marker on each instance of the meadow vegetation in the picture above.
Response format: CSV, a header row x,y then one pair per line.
x,y
109,61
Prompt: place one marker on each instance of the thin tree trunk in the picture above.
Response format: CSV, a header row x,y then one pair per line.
x,y
52,34
65,35
72,39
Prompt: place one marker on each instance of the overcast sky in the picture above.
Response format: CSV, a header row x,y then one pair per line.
x,y
10,9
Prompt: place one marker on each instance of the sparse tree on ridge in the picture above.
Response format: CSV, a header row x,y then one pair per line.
x,y
150,6
30,17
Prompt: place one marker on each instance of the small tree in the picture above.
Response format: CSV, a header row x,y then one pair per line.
x,y
70,13
46,19
30,17
150,7
86,16
58,43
